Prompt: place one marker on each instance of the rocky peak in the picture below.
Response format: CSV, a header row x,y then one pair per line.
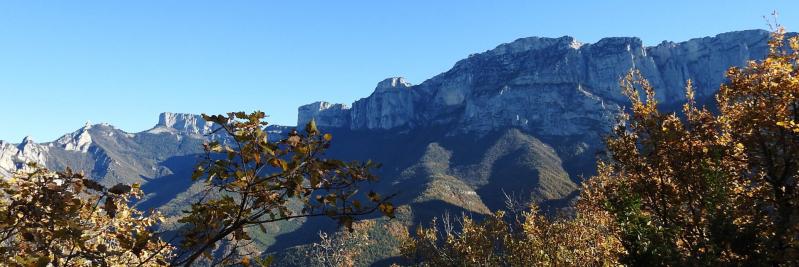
x,y
704,61
30,151
8,154
15,157
535,43
619,43
554,86
79,140
389,106
325,114
182,123
28,140
392,83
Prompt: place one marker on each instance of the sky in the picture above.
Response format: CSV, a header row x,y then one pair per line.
x,y
65,63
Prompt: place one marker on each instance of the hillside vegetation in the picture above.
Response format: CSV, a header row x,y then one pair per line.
x,y
689,188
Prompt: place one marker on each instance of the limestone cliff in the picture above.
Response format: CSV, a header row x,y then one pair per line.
x,y
550,86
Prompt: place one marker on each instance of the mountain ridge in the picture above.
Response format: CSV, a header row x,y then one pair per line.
x,y
525,118
496,88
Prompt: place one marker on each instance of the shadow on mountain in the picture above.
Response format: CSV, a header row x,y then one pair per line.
x,y
165,188
424,212
391,261
307,233
510,176
561,206
395,149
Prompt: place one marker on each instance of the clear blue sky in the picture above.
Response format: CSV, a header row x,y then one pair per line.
x,y
63,63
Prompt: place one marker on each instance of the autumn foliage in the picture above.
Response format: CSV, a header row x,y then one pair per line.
x,y
694,188
707,189
65,219
525,239
251,181
691,189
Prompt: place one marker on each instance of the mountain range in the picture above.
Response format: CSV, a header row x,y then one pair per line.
x,y
525,119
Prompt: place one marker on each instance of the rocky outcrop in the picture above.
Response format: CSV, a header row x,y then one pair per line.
x,y
79,140
325,114
111,155
7,156
553,86
537,106
390,105
182,123
16,157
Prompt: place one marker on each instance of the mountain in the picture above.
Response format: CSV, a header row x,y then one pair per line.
x,y
527,115
548,86
524,119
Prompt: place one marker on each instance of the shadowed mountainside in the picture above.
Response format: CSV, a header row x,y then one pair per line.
x,y
525,119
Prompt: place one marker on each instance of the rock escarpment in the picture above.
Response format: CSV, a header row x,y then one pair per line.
x,y
523,119
107,153
16,157
79,140
391,105
183,123
325,114
550,86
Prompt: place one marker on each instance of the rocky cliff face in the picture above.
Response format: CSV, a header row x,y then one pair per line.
x,y
15,157
523,118
553,86
107,153
79,140
325,114
389,106
183,123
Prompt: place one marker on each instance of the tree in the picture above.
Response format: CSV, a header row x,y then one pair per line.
x,y
252,181
519,236
705,189
673,185
526,239
760,110
64,219
341,248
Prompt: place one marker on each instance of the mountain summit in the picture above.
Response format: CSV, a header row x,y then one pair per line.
x,y
525,119
548,86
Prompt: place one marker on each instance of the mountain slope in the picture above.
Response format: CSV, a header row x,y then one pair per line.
x,y
525,119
